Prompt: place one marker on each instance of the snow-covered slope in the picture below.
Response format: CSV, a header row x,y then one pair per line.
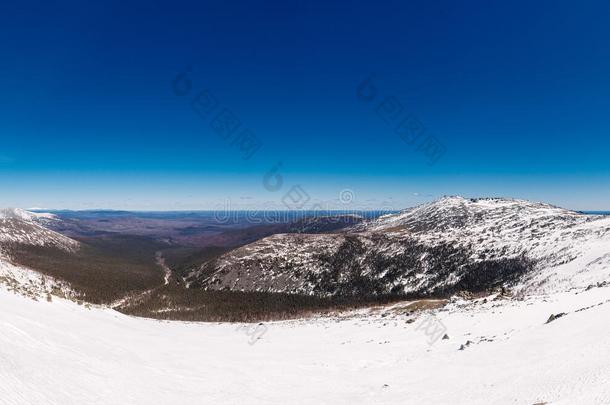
x,y
23,227
18,213
61,353
497,349
437,248
31,283
570,249
19,227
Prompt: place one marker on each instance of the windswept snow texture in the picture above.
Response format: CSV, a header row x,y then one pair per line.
x,y
61,353
437,248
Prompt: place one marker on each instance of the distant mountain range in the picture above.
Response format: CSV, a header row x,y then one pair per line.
x,y
596,212
437,249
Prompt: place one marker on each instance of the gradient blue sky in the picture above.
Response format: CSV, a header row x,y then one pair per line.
x,y
518,93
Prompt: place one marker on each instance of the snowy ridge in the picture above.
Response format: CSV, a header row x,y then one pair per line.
x,y
19,227
571,249
23,227
437,248
18,213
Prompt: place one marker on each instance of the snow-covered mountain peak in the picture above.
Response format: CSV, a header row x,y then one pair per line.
x,y
436,248
457,212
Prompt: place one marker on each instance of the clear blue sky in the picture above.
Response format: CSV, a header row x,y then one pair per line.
x,y
518,94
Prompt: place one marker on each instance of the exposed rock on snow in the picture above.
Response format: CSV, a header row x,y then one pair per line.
x,y
555,316
437,248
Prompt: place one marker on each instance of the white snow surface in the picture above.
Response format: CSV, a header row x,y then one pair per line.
x,y
61,353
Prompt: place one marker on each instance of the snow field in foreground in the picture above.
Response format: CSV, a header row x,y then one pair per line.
x,y
62,353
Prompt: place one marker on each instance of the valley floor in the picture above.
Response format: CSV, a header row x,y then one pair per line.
x,y
62,353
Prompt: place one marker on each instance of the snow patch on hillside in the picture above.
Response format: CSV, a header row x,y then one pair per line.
x,y
31,283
